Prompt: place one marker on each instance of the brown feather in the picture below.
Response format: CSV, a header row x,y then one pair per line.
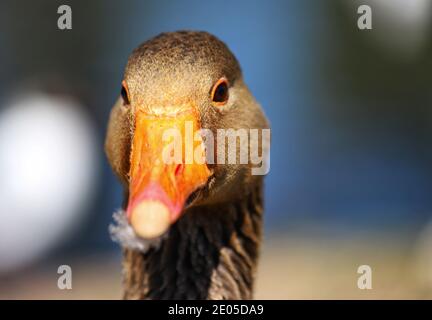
x,y
210,253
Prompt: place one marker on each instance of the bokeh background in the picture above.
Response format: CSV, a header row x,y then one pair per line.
x,y
351,159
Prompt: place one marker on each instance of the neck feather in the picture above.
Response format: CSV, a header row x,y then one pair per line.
x,y
210,253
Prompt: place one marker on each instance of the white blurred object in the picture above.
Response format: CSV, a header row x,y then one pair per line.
x,y
47,169
400,26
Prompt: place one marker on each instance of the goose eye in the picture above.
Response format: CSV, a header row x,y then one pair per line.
x,y
220,92
124,94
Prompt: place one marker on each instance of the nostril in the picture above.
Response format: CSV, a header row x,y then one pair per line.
x,y
179,169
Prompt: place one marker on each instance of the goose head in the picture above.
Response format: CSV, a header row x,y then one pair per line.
x,y
178,90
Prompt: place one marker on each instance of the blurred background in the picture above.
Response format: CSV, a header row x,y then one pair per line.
x,y
351,160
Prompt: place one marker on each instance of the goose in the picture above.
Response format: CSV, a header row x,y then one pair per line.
x,y
188,230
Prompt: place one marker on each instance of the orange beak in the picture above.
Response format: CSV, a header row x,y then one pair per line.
x,y
162,175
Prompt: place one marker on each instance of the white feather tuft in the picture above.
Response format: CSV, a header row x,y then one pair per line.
x,y
122,232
